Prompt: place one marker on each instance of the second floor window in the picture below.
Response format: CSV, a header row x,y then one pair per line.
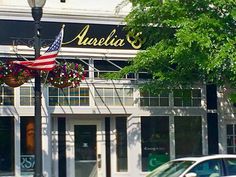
x,y
68,96
26,96
114,96
160,98
187,97
6,96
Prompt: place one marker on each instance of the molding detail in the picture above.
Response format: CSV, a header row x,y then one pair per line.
x,y
77,16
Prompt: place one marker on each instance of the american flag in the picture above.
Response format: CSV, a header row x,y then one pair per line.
x,y
47,61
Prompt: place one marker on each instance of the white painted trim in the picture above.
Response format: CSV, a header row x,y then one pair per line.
x,y
72,52
55,148
17,145
172,136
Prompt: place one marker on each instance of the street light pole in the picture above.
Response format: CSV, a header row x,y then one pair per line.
x,y
37,12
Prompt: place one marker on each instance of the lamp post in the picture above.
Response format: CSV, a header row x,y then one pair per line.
x,y
37,12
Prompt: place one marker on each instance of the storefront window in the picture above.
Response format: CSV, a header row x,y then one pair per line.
x,y
188,129
114,96
26,96
187,97
155,141
6,96
108,66
121,144
68,96
27,145
7,163
231,138
160,98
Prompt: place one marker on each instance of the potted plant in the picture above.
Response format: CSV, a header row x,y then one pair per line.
x,y
65,74
13,74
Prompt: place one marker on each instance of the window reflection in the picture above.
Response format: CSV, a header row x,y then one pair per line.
x,y
209,168
188,129
187,97
231,138
161,98
27,145
85,142
85,150
7,164
155,141
121,144
230,166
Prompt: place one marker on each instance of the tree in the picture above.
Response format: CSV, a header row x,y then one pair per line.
x,y
186,41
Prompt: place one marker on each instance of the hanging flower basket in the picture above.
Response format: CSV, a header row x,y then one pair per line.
x,y
66,75
13,81
14,75
61,84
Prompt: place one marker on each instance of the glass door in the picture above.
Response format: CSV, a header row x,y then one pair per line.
x,y
84,157
85,150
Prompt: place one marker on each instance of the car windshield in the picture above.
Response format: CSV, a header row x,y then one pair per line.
x,y
171,169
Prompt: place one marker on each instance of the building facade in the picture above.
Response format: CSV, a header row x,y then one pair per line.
x,y
103,128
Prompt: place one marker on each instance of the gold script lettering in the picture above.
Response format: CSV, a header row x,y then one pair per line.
x,y
135,40
111,40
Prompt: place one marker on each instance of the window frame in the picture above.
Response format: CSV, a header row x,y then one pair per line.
x,y
233,136
186,100
30,96
101,96
67,96
158,97
4,96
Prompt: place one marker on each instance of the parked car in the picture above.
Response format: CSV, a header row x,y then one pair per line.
x,y
207,166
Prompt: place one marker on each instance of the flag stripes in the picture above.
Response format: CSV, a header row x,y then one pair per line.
x,y
47,61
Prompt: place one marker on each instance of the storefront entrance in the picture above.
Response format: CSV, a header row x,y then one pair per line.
x,y
85,155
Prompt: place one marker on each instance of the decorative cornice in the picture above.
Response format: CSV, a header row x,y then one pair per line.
x,y
79,16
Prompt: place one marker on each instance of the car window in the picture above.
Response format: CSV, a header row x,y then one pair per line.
x,y
209,168
171,169
230,165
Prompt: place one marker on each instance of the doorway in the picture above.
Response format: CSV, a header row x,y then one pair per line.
x,y
85,155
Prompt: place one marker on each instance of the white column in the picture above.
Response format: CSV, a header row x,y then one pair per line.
x,y
46,136
134,146
17,145
172,136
